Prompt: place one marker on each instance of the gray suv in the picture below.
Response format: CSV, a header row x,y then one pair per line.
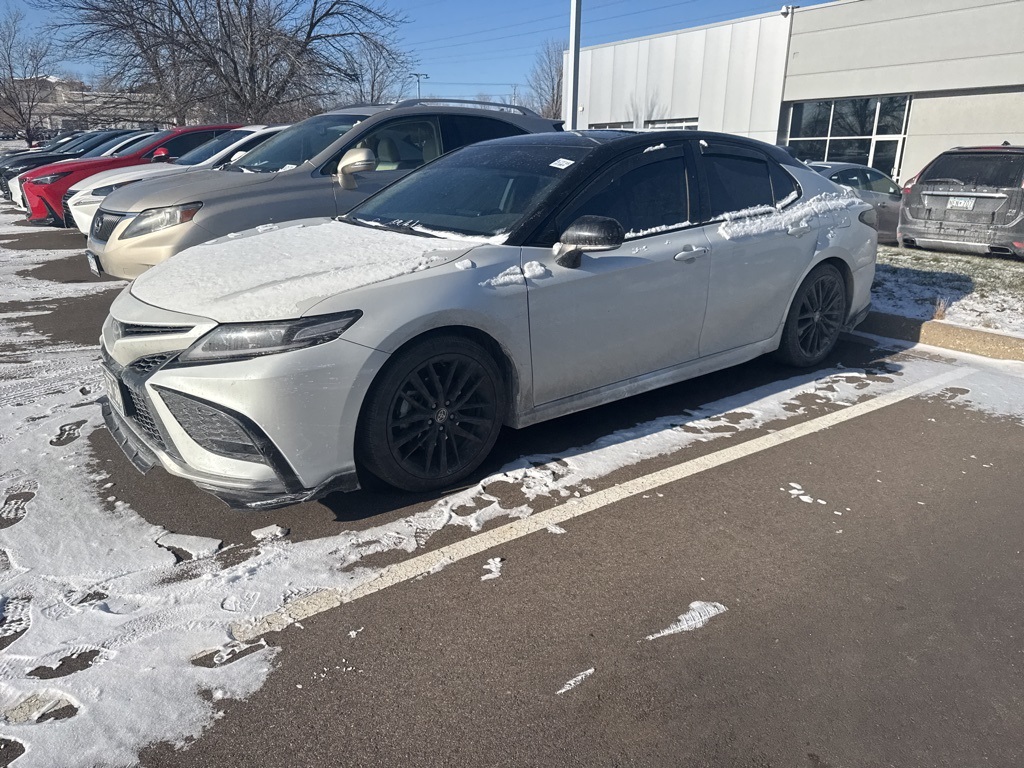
x,y
321,166
968,199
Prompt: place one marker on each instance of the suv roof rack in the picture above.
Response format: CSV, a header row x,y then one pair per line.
x,y
498,106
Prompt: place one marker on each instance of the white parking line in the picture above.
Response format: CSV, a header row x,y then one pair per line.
x,y
436,559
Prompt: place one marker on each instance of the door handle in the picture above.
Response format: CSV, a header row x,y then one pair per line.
x,y
691,253
799,229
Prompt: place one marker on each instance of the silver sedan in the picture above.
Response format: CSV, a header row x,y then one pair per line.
x,y
504,284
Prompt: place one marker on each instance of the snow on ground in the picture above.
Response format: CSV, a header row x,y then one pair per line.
x,y
700,613
85,579
983,292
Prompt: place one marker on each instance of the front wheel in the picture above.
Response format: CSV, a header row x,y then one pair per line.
x,y
433,415
815,319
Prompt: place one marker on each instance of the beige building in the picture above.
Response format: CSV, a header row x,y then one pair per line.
x,y
880,82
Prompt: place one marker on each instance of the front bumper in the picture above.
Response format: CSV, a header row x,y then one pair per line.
x,y
299,410
82,207
129,258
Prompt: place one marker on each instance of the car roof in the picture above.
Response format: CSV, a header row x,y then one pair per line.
x,y
512,112
819,165
1011,148
614,140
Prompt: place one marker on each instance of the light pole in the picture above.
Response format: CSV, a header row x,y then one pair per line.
x,y
573,75
419,76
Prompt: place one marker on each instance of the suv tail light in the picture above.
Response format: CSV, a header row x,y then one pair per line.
x,y
909,185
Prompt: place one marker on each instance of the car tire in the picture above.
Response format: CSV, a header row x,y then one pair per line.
x,y
815,318
433,414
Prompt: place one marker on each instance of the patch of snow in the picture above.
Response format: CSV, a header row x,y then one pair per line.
x,y
493,568
270,533
655,148
197,546
465,264
534,270
352,633
575,681
700,613
280,274
511,276
634,233
764,219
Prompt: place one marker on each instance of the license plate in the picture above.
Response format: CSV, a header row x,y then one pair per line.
x,y
94,263
961,203
113,391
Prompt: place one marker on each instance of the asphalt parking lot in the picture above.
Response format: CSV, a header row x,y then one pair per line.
x,y
755,568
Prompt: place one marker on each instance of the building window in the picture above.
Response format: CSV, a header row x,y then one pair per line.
x,y
628,124
678,124
868,131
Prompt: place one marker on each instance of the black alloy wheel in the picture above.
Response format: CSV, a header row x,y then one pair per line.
x,y
433,416
816,318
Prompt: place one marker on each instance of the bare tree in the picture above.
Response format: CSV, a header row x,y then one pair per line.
x,y
253,60
545,79
378,72
28,75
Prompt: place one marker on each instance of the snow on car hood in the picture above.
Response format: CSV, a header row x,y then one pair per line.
x,y
279,271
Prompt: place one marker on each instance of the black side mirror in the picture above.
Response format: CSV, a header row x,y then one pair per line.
x,y
587,233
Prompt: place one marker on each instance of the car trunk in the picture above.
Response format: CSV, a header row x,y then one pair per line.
x,y
970,188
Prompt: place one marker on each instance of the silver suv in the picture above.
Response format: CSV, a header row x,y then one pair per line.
x,y
320,167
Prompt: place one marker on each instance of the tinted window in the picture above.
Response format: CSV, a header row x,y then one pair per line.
x,y
205,151
736,183
143,141
179,145
851,177
295,145
983,170
481,190
466,129
783,185
106,146
878,182
650,197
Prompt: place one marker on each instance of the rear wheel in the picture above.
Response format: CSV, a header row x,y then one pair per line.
x,y
433,415
815,319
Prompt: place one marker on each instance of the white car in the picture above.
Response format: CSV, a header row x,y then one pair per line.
x,y
84,199
104,150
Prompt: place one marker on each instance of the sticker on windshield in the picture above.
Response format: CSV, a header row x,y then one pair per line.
x,y
562,163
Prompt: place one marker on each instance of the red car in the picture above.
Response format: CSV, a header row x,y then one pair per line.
x,y
44,187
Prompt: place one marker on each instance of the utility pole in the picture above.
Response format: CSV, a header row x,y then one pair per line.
x,y
515,93
573,78
419,76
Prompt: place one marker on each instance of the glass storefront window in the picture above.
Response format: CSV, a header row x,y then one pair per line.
x,y
866,131
811,118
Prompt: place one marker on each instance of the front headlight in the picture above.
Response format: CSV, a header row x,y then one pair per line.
x,y
241,341
49,178
104,191
155,219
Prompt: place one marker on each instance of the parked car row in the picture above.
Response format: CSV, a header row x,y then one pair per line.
x,y
968,200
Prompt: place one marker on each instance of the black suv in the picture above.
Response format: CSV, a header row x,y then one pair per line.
x,y
968,199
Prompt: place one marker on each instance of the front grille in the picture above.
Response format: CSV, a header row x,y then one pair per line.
x,y
5,187
134,329
69,219
103,224
144,419
146,365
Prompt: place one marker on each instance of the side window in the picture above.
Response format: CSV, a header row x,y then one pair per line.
x,y
398,145
649,197
460,130
877,182
179,145
850,177
783,185
736,182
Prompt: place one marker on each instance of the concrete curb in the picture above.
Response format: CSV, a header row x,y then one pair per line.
x,y
940,334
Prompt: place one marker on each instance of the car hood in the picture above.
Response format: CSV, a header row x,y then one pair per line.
x,y
197,186
36,159
277,272
85,167
133,173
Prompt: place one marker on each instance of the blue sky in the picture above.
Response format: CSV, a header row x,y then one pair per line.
x,y
469,47
472,47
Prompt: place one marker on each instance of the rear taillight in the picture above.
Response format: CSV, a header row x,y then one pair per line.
x,y
909,185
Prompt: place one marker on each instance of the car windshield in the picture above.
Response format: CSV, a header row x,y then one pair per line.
x,y
204,152
480,191
143,141
295,145
105,146
989,169
77,142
